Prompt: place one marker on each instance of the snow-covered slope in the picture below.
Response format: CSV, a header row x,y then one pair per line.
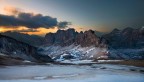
x,y
73,52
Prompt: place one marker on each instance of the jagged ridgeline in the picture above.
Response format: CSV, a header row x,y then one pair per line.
x,y
70,36
118,44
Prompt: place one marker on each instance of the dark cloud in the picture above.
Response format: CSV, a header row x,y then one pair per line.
x,y
27,30
63,24
30,20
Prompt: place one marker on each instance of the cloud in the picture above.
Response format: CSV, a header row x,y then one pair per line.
x,y
63,24
27,30
29,20
12,10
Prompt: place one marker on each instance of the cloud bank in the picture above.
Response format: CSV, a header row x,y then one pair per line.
x,y
29,20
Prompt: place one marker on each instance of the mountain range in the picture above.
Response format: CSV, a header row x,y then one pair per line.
x,y
70,44
118,44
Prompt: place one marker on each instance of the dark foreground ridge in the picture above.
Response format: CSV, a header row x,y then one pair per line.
x,y
16,49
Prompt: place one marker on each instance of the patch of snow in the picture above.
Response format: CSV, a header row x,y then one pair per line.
x,y
104,57
27,61
90,50
78,61
39,77
63,76
109,60
1,54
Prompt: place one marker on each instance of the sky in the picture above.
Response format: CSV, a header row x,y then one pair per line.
x,y
43,16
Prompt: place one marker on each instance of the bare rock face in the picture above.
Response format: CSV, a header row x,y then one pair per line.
x,y
61,37
87,38
49,38
127,38
70,36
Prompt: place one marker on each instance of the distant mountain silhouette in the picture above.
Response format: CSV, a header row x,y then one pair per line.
x,y
33,40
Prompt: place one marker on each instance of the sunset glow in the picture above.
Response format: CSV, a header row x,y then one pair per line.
x,y
40,31
97,15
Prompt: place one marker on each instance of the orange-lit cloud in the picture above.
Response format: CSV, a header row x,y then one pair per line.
x,y
40,31
9,10
43,31
15,17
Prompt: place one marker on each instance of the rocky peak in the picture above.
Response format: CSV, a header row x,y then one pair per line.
x,y
88,38
127,38
115,30
70,36
49,38
127,31
61,37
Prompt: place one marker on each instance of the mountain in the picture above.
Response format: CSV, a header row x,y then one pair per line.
x,y
70,36
16,49
98,33
118,44
61,37
126,38
33,40
69,44
126,44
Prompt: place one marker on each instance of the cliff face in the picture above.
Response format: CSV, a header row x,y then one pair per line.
x,y
17,49
70,36
88,38
127,38
61,37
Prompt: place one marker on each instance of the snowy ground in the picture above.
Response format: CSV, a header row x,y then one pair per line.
x,y
71,73
77,52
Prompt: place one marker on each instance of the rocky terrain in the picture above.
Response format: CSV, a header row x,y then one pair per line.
x,y
69,44
118,44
